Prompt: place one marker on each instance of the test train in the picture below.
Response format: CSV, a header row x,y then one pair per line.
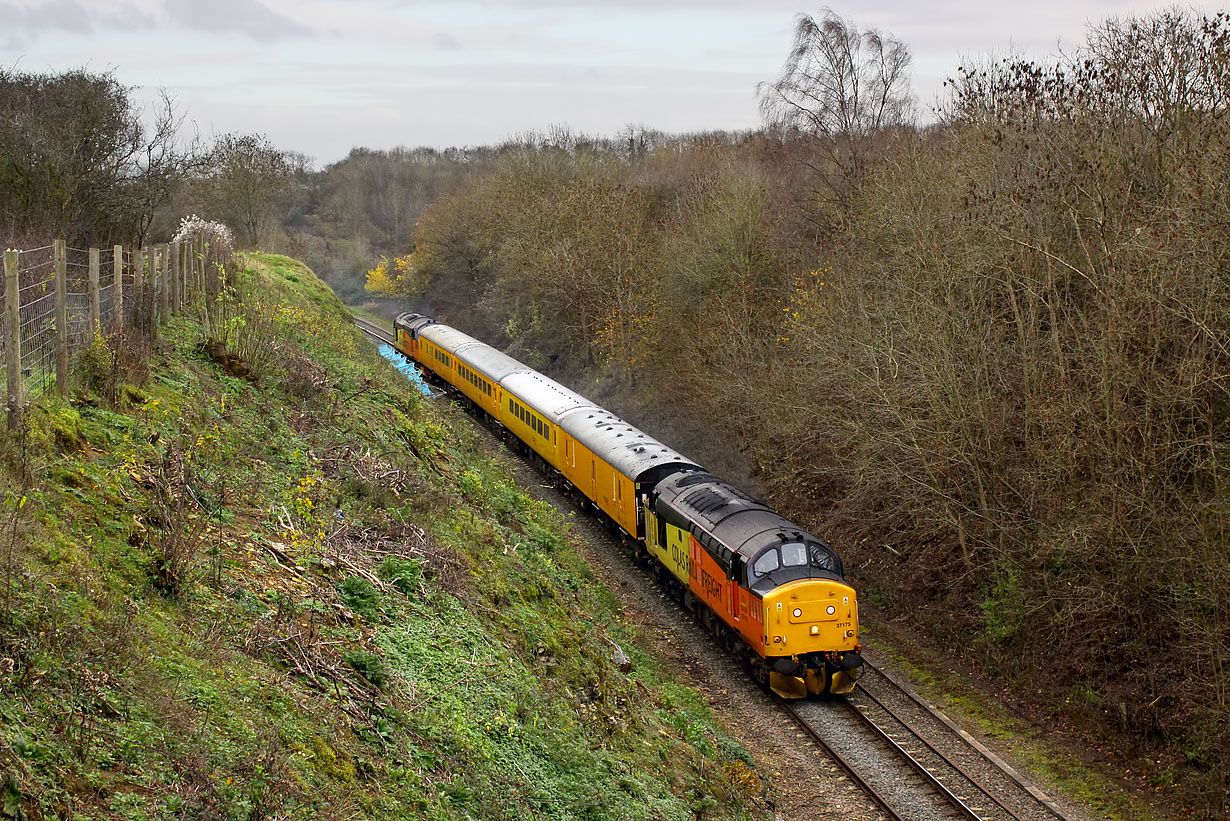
x,y
768,590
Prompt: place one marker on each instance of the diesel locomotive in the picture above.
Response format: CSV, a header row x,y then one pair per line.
x,y
769,591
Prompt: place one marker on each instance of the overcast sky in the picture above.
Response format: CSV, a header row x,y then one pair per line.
x,y
322,76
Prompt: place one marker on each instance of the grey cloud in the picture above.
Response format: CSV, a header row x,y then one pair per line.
x,y
249,17
446,42
58,15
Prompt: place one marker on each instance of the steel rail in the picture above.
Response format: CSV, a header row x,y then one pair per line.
x,y
916,765
879,800
995,761
917,736
373,330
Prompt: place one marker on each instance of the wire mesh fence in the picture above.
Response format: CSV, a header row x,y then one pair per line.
x,y
59,299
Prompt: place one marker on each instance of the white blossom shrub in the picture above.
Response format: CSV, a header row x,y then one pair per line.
x,y
218,238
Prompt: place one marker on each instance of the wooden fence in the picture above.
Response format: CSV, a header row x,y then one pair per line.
x,y
59,299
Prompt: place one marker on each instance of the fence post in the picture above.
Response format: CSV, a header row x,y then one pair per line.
x,y
12,324
61,267
117,295
197,282
155,308
203,262
184,285
164,283
173,268
138,270
138,286
95,307
156,285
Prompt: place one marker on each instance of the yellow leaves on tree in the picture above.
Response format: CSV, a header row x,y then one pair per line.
x,y
403,278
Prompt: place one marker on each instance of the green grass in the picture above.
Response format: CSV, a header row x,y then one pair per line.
x,y
308,593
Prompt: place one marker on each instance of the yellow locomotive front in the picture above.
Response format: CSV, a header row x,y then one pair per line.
x,y
811,637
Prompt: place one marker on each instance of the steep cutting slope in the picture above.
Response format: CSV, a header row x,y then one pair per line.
x,y
303,592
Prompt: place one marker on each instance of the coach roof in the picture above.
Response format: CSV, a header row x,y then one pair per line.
x,y
544,394
629,450
447,338
480,356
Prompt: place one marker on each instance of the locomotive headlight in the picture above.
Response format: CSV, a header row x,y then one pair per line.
x,y
815,629
830,610
798,612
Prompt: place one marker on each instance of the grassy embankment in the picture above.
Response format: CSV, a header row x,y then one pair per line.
x,y
308,592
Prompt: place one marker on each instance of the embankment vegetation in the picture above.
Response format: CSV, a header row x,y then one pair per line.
x,y
246,572
988,355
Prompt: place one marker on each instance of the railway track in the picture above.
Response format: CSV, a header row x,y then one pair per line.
x,y
884,737
926,767
985,785
374,330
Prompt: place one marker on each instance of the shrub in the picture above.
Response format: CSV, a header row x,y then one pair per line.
x,y
361,597
368,665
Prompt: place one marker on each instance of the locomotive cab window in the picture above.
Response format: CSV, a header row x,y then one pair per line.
x,y
794,560
823,558
767,562
794,554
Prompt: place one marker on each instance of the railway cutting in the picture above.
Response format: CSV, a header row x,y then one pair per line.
x,y
908,759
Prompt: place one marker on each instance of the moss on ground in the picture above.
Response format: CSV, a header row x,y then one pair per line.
x,y
306,594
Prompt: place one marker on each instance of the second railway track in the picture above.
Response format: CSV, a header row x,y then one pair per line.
x,y
984,782
374,330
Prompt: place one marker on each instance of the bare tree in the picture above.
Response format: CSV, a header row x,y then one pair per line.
x,y
248,177
164,161
842,86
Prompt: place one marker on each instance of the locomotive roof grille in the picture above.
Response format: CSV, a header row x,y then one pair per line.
x,y
705,500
